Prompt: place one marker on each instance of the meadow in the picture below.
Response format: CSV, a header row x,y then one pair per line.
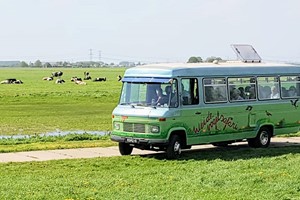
x,y
217,173
39,106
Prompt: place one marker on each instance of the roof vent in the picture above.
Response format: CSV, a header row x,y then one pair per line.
x,y
246,53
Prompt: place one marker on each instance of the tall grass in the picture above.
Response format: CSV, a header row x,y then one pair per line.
x,y
54,142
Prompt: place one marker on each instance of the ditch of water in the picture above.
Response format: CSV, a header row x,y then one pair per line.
x,y
56,133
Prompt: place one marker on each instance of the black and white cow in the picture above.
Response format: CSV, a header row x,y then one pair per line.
x,y
11,81
99,79
119,77
57,74
60,81
75,78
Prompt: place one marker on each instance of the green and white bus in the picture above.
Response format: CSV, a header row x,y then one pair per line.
x,y
171,107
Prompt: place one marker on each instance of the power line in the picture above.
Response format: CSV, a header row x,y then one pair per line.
x,y
91,55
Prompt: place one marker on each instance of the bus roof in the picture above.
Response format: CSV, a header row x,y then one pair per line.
x,y
169,70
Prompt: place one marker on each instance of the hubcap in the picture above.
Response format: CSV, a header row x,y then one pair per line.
x,y
177,148
264,137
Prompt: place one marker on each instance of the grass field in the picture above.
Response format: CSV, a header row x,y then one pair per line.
x,y
230,173
39,106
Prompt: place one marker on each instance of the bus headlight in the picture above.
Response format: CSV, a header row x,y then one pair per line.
x,y
155,129
116,126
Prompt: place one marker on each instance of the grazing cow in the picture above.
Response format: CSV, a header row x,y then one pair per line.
x,y
99,79
87,78
18,82
75,78
5,82
11,81
119,78
8,81
59,81
79,82
48,78
57,74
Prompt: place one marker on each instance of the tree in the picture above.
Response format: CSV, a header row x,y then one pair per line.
x,y
47,65
38,63
65,64
24,64
194,59
212,58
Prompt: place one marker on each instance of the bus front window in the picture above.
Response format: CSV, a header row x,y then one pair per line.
x,y
146,94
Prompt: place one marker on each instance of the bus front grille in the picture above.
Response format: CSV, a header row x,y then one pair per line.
x,y
131,127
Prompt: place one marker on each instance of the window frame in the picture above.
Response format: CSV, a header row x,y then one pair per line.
x,y
191,96
203,90
243,100
297,82
279,87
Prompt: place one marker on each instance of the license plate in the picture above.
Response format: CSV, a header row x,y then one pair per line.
x,y
132,140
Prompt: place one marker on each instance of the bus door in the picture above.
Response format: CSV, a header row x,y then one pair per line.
x,y
189,103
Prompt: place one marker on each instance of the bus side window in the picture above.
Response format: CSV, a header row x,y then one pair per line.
x,y
290,86
215,90
268,88
242,89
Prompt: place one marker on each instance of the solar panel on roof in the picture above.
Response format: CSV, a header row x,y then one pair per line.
x,y
246,53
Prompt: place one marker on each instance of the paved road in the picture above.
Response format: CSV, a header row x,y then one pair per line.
x,y
110,151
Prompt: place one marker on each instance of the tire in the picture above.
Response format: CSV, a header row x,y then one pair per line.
x,y
125,149
174,147
262,140
251,142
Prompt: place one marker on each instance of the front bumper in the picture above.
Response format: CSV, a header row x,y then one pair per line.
x,y
139,141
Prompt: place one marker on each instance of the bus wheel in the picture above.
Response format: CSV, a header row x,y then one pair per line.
x,y
174,147
125,149
262,140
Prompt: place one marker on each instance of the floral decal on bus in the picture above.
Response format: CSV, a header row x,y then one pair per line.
x,y
212,121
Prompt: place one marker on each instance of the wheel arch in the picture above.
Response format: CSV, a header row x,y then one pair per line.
x,y
268,126
181,132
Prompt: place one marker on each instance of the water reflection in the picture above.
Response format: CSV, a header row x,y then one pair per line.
x,y
56,133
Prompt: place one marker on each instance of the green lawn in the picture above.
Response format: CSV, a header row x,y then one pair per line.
x,y
231,173
40,106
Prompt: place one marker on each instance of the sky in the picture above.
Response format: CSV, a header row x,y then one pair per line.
x,y
147,30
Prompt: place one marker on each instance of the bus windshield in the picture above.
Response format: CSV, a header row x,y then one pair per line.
x,y
161,93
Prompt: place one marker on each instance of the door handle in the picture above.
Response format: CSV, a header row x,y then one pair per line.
x,y
198,113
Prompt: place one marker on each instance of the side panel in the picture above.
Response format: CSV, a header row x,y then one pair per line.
x,y
236,122
216,124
